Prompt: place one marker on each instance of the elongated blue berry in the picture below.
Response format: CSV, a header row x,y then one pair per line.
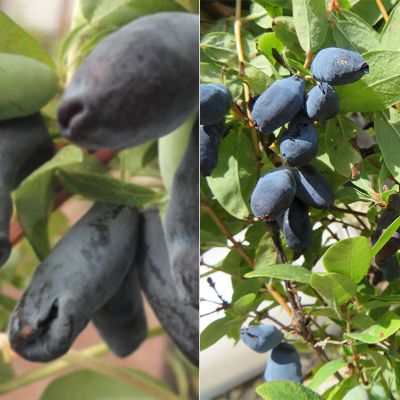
x,y
215,102
322,102
261,338
279,104
296,226
299,144
312,188
273,194
283,364
338,66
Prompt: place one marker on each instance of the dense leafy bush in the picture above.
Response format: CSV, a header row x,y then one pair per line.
x,y
348,265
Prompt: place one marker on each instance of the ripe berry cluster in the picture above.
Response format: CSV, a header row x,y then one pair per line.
x,y
284,194
123,95
215,102
283,360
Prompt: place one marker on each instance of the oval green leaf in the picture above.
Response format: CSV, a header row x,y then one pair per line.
x,y
310,22
325,372
387,133
26,85
234,178
279,390
385,326
14,40
336,289
349,257
287,272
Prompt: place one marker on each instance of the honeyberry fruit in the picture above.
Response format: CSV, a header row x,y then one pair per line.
x,y
322,102
215,102
299,144
261,338
179,319
296,226
138,84
78,277
181,226
390,268
121,322
278,104
283,364
273,194
312,188
337,66
210,137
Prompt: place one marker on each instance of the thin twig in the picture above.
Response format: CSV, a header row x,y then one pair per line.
x,y
243,252
348,211
382,10
246,87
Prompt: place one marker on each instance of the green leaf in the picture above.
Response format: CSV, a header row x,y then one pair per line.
x,y
171,149
90,385
353,33
97,10
387,132
385,326
233,179
26,85
336,289
285,31
370,14
341,153
104,188
268,41
377,90
279,390
310,23
350,257
384,238
14,40
215,331
34,215
325,372
286,272
220,47
390,36
243,304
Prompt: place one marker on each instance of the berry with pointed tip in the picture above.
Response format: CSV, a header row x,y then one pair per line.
x,y
77,278
261,338
121,322
312,188
138,84
179,319
338,66
322,102
299,144
278,104
390,268
215,102
182,223
283,364
296,226
273,194
210,137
